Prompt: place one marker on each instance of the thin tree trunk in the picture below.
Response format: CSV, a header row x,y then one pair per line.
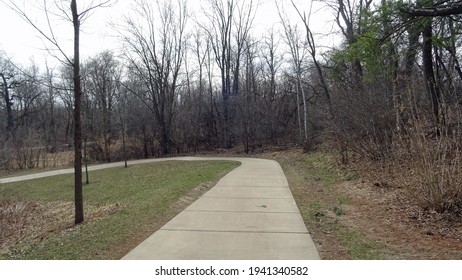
x,y
87,178
9,104
165,141
305,110
429,75
299,118
78,192
124,144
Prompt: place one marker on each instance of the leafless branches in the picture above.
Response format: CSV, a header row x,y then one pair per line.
x,y
51,11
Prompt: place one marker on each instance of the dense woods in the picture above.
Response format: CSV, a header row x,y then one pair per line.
x,y
389,93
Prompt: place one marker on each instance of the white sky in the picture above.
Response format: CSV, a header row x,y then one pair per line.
x,y
22,43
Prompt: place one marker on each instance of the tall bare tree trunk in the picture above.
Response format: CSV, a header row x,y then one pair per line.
x,y
305,109
78,191
429,75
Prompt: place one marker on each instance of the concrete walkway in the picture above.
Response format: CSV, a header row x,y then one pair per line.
x,y
71,170
249,214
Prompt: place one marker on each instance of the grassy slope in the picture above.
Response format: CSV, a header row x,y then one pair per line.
x,y
143,194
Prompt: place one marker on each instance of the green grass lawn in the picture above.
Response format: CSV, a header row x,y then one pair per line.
x,y
142,195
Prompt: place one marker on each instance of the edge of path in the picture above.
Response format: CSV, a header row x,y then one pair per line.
x,y
51,173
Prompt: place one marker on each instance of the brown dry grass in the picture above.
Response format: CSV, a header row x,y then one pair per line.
x,y
46,161
391,214
28,221
33,221
378,219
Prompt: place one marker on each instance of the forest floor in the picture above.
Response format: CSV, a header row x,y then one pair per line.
x,y
353,212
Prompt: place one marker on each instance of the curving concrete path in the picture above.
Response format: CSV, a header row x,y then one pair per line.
x,y
71,170
249,214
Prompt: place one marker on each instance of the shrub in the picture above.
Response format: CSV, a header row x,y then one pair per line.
x,y
436,166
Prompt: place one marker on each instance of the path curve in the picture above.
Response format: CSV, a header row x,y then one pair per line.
x,y
249,214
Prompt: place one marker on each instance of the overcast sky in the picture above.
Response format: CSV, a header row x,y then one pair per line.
x,y
22,43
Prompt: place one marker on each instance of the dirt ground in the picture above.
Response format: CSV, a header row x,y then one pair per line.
x,y
382,213
367,218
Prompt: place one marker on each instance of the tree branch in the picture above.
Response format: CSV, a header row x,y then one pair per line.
x,y
455,9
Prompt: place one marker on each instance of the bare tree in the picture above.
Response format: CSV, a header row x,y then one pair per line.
x,y
155,42
51,125
8,81
242,24
311,46
219,33
296,44
65,94
27,96
228,29
101,81
76,17
272,61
